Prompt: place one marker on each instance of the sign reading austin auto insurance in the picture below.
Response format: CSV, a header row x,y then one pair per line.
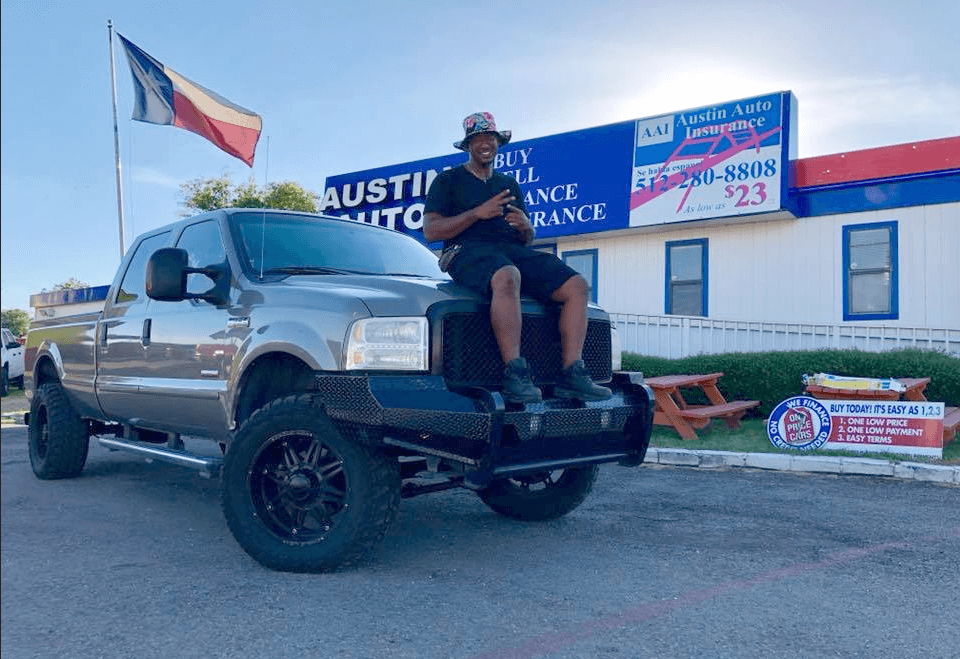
x,y
720,161
717,161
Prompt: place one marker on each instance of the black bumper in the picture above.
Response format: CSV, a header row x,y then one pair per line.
x,y
491,439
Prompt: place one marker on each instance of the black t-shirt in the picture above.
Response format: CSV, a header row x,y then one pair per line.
x,y
457,190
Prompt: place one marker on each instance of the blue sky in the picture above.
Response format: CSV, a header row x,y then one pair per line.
x,y
348,85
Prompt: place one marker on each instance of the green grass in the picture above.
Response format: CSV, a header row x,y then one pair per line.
x,y
751,437
15,398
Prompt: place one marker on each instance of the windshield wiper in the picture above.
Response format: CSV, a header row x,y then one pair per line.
x,y
308,270
402,274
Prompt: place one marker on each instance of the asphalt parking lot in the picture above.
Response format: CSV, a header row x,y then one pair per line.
x,y
134,559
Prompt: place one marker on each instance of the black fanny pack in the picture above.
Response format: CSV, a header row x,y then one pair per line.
x,y
447,256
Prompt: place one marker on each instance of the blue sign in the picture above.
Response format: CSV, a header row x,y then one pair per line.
x,y
730,159
801,422
69,296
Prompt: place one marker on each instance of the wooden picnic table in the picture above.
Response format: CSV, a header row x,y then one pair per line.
x,y
673,410
915,391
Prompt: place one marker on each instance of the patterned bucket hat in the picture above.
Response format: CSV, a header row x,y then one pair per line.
x,y
481,122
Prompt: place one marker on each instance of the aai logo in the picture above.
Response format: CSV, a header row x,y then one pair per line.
x,y
655,131
801,423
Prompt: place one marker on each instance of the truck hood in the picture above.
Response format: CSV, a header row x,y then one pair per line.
x,y
386,295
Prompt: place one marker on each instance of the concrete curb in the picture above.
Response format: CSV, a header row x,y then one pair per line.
x,y
918,471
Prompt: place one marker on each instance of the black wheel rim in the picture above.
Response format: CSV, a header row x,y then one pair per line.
x,y
43,432
298,486
538,480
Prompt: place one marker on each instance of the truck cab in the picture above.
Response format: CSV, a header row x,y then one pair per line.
x,y
12,372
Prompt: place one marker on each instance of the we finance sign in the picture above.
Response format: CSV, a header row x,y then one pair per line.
x,y
600,179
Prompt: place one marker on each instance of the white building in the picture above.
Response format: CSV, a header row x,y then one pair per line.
x,y
68,301
873,263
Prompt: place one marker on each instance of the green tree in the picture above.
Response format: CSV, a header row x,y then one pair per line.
x,y
16,320
247,196
290,196
207,194
70,284
212,193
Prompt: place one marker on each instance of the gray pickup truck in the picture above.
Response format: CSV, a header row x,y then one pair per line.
x,y
333,370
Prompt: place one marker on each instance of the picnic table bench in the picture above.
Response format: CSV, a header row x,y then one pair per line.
x,y
951,419
673,410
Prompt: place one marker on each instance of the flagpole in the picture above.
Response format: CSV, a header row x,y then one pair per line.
x,y
116,137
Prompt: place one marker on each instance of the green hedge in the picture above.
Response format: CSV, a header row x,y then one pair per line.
x,y
771,377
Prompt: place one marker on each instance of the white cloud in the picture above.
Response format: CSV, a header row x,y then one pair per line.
x,y
855,113
154,177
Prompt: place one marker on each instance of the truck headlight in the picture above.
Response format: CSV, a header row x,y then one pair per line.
x,y
616,357
388,344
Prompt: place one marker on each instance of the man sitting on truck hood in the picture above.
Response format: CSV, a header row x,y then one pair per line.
x,y
480,215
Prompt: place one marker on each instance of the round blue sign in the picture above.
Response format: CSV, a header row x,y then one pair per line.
x,y
800,423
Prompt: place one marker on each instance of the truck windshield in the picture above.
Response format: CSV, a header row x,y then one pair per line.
x,y
271,242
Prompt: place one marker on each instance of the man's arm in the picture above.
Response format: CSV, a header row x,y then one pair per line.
x,y
438,227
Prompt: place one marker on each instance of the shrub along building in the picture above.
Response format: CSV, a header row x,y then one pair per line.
x,y
701,232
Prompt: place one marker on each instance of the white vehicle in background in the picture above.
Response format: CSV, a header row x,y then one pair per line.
x,y
12,361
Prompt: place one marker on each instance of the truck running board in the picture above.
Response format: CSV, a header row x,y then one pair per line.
x,y
207,464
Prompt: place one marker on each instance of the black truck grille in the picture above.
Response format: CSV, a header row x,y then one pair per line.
x,y
471,356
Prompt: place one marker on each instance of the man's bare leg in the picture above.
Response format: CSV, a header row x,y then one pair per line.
x,y
506,320
505,311
573,318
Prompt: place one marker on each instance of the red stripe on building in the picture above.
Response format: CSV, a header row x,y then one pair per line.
x,y
878,163
235,140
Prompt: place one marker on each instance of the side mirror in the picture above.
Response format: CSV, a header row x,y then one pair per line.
x,y
167,272
167,275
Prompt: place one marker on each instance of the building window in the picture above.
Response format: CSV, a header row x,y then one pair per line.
x,y
584,261
686,278
870,271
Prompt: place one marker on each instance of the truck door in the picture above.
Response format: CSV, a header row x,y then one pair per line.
x,y
185,379
121,354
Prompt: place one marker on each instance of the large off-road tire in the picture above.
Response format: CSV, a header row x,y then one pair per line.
x,y
298,496
541,495
4,381
57,435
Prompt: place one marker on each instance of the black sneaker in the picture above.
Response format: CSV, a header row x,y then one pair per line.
x,y
517,385
575,382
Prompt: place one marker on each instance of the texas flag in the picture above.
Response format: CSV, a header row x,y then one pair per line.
x,y
165,97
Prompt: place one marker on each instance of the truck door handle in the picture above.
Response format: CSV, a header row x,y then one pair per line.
x,y
145,335
103,334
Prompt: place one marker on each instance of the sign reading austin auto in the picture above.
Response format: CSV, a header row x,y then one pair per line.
x,y
717,161
721,161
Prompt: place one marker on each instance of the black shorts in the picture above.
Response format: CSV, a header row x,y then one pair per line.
x,y
541,273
